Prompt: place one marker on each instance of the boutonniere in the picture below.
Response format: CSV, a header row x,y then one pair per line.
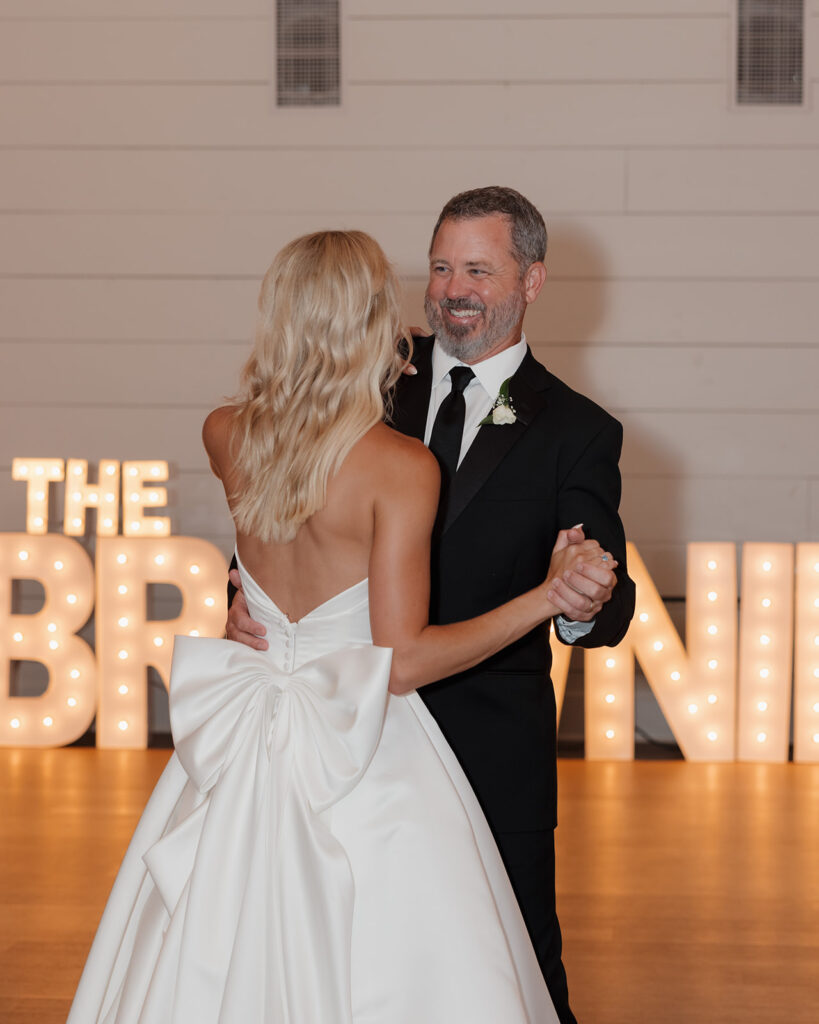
x,y
502,409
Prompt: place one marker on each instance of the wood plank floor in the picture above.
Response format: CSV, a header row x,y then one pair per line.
x,y
687,893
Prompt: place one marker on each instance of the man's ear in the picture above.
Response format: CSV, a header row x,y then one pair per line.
x,y
533,280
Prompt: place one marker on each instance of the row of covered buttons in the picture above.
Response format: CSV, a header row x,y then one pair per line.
x,y
289,647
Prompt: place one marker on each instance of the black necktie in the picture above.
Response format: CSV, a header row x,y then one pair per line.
x,y
448,429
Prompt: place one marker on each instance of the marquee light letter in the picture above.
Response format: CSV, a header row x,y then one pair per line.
x,y
128,642
695,689
806,656
38,474
765,652
66,709
136,498
80,495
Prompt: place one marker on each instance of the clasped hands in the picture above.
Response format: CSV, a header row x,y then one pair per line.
x,y
581,575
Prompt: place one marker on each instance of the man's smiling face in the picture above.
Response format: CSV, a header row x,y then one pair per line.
x,y
477,296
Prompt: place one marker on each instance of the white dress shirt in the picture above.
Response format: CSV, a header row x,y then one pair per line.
x,y
479,396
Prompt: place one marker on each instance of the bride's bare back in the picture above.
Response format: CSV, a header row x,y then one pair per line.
x,y
333,549
377,523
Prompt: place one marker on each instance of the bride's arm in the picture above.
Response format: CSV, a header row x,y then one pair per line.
x,y
399,585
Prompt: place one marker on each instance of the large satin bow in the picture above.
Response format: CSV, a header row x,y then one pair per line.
x,y
259,891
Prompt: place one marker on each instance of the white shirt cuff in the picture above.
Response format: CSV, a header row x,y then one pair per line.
x,y
571,631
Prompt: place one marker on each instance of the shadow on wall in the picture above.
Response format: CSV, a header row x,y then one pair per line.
x,y
567,328
571,308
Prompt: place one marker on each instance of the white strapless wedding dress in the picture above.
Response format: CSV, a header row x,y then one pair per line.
x,y
312,854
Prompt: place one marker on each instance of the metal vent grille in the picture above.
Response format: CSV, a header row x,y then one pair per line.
x,y
769,51
307,53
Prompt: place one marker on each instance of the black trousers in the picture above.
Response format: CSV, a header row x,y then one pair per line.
x,y
529,858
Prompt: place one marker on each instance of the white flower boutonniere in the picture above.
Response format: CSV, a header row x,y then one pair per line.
x,y
502,410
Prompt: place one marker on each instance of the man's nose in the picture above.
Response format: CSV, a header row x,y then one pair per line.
x,y
458,286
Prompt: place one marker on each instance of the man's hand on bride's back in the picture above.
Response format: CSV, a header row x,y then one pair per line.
x,y
239,626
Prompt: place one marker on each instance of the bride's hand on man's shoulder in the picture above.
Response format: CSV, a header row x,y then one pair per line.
x,y
416,332
239,626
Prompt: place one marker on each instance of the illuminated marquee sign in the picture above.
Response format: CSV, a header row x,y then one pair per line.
x,y
725,693
110,683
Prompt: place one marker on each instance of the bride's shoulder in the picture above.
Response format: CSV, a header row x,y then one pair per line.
x,y
400,468
218,424
399,452
404,481
217,435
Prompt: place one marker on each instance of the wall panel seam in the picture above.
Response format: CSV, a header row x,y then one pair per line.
x,y
586,346
304,147
553,276
615,409
471,82
545,16
127,18
131,82
267,211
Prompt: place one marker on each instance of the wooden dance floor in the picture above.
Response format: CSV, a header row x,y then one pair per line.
x,y
687,893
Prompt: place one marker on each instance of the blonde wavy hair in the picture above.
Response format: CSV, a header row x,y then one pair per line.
x,y
325,360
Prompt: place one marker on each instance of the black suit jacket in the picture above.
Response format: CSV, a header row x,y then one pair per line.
x,y
517,486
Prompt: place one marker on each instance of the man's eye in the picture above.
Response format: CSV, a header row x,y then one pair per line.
x,y
439,269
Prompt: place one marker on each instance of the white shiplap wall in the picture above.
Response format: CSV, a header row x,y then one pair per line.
x,y
147,178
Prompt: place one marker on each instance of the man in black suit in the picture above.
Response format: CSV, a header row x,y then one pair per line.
x,y
546,460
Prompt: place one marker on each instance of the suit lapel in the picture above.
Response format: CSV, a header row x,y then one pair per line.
x,y
527,391
412,393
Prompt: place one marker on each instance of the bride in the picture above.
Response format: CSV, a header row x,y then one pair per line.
x,y
313,854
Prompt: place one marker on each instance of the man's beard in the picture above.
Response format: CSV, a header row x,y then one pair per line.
x,y
455,339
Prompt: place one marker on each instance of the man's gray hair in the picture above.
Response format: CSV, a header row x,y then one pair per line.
x,y
526,225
